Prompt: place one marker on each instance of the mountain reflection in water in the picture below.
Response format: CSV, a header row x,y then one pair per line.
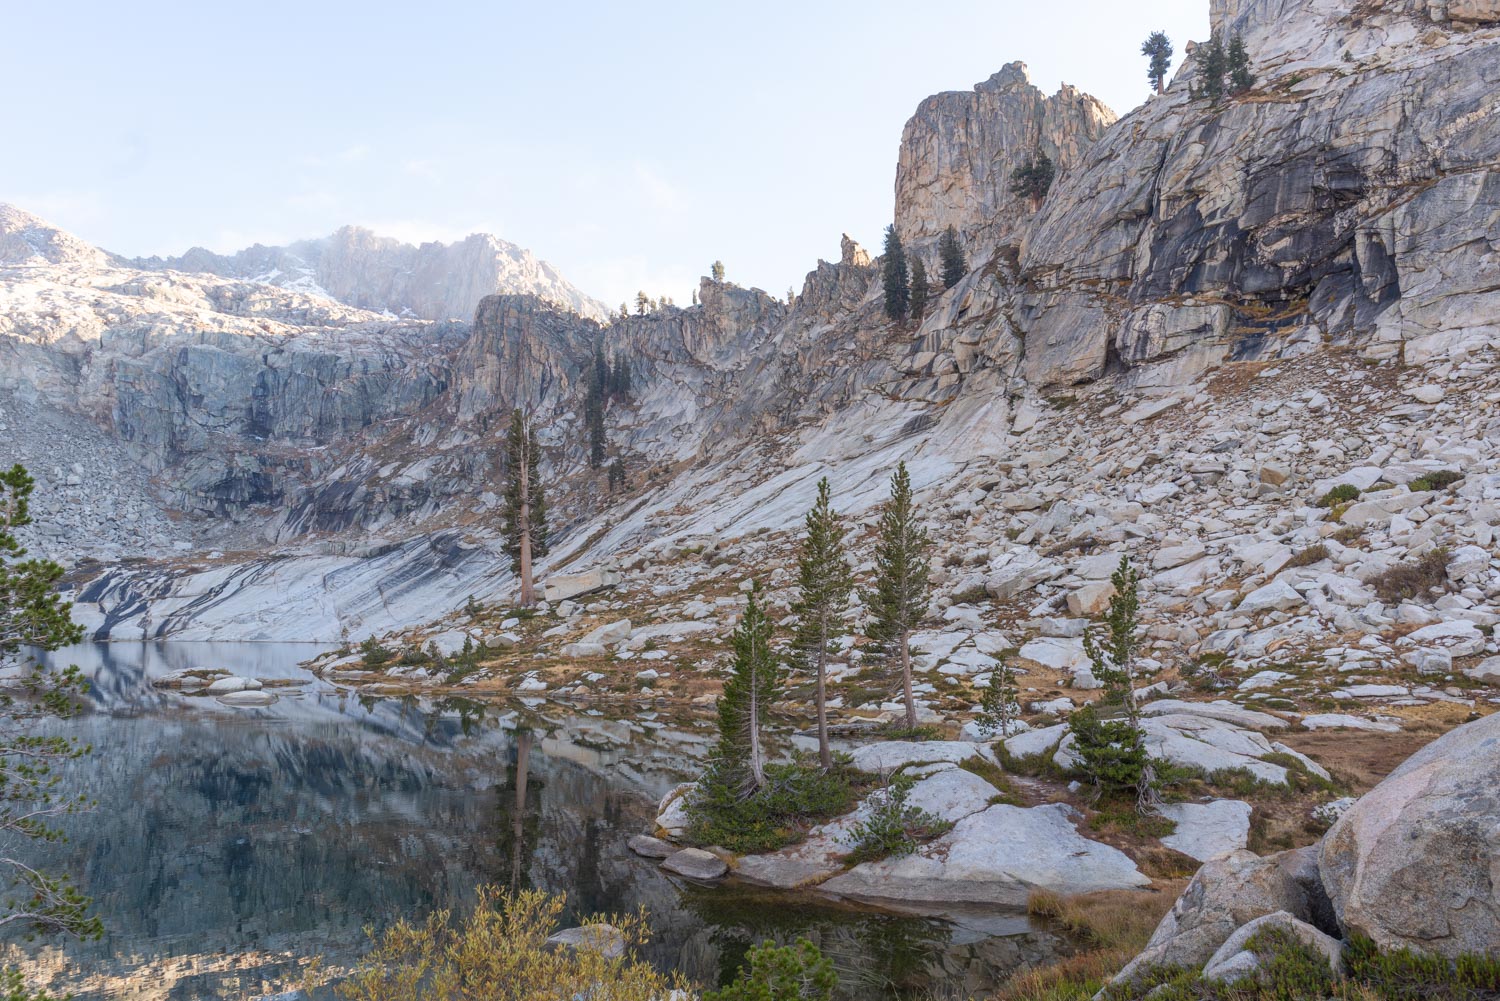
x,y
227,843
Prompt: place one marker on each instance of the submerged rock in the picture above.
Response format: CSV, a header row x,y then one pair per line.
x,y
248,699
601,938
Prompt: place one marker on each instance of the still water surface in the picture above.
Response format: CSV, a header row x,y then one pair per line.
x,y
227,843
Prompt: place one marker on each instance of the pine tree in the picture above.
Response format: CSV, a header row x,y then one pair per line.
x,y
951,255
1033,178
824,585
695,297
32,764
624,310
525,502
1215,64
1113,663
999,707
619,377
918,289
641,302
593,420
739,761
896,278
717,271
901,586
1158,47
781,973
616,475
1237,62
791,296
601,368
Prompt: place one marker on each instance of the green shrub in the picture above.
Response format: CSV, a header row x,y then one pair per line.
x,y
373,654
795,797
1344,493
1111,754
1436,480
894,828
787,973
897,729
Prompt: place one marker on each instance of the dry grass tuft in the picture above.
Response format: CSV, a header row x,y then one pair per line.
x,y
1413,578
1111,927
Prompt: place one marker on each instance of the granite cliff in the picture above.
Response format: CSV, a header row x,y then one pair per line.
x,y
1346,205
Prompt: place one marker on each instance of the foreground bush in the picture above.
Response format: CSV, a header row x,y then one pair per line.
x,y
1290,971
788,973
795,797
499,952
894,828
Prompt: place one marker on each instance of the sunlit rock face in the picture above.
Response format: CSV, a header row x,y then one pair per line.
x,y
1315,207
959,149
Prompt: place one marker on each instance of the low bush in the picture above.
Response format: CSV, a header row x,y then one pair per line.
x,y
1413,578
796,796
1344,493
1293,971
893,828
1439,480
372,654
1307,557
897,729
500,952
1111,753
787,973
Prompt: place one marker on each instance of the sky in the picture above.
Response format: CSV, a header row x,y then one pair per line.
x,y
630,145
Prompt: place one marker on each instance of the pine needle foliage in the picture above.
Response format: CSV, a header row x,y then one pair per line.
x,y
895,276
739,760
951,255
1114,752
522,451
34,615
899,599
999,708
824,587
797,972
1158,48
1033,177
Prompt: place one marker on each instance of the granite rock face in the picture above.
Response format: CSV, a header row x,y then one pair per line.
x,y
1416,861
1227,893
1314,208
958,151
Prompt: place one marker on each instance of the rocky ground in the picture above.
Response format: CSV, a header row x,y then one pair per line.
x,y
1287,644
93,500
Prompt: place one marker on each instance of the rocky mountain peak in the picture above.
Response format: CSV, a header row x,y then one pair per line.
x,y
29,239
958,151
359,267
852,253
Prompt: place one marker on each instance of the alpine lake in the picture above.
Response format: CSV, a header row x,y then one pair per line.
x,y
226,846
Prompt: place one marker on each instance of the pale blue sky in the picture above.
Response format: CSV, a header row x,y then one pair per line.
x,y
628,144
